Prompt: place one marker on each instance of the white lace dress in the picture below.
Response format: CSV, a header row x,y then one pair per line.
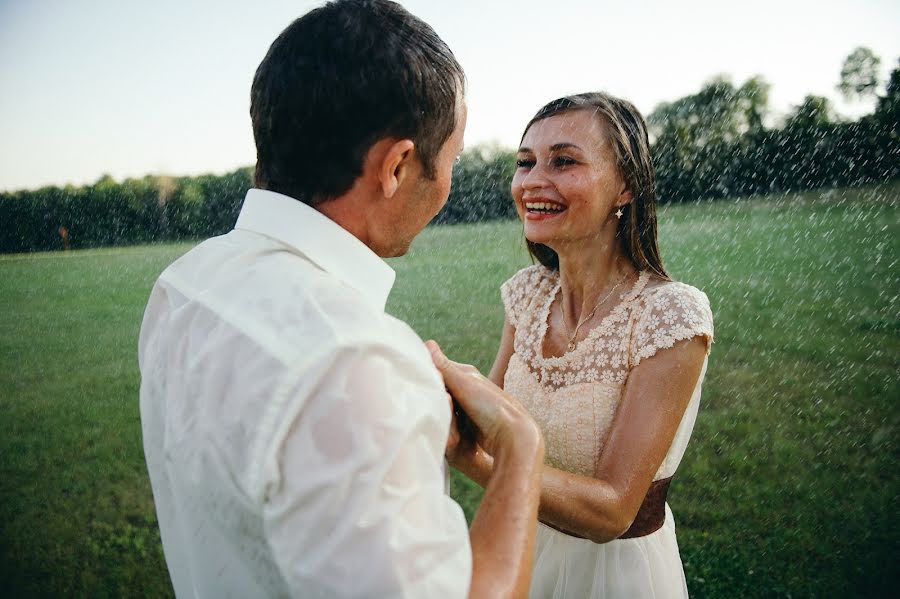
x,y
574,398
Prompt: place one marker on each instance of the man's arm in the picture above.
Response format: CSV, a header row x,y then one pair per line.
x,y
355,503
502,533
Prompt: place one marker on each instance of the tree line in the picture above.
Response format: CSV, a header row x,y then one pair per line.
x,y
716,143
720,142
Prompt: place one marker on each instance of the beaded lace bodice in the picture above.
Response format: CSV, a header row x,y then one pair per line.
x,y
574,397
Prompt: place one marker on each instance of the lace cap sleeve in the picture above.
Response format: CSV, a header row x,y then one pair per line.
x,y
518,291
673,313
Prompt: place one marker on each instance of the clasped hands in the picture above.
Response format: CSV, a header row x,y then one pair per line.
x,y
487,421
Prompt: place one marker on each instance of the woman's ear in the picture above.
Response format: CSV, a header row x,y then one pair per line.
x,y
395,166
625,197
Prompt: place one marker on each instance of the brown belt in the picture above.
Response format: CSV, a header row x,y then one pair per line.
x,y
650,516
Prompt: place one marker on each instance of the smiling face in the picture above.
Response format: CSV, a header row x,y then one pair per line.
x,y
567,186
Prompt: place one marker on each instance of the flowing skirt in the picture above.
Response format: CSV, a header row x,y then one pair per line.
x,y
644,567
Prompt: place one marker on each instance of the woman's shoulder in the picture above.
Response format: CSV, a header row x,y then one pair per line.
x,y
661,291
672,311
530,276
520,290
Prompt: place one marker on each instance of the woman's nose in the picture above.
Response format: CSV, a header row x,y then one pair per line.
x,y
535,178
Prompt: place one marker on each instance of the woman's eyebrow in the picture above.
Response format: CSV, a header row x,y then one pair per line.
x,y
563,146
553,148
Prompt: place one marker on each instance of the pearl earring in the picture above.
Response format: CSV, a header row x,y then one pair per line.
x,y
619,213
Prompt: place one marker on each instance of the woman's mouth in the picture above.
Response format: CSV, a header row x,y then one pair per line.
x,y
542,210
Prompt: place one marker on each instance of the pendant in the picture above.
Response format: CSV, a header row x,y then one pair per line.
x,y
571,345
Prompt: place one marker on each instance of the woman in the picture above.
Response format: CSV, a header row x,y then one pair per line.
x,y
604,349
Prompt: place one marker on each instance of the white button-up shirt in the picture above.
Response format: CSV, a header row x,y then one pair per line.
x,y
294,432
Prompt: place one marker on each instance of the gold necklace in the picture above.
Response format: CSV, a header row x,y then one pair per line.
x,y
571,345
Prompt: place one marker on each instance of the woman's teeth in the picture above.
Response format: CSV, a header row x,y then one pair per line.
x,y
543,207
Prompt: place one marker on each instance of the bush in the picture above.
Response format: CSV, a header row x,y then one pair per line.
x,y
109,213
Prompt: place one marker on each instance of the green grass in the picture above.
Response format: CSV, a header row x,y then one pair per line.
x,y
788,488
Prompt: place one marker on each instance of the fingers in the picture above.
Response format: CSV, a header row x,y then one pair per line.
x,y
499,419
455,374
441,362
444,364
481,404
437,355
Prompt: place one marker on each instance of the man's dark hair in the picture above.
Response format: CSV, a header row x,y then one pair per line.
x,y
339,79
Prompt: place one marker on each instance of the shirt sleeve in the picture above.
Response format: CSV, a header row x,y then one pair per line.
x,y
674,313
359,509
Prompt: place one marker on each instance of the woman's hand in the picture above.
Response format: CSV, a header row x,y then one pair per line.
x,y
502,423
502,531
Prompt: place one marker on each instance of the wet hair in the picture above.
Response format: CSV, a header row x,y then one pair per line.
x,y
339,79
627,134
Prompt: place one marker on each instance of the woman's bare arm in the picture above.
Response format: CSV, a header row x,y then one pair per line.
x,y
504,353
603,507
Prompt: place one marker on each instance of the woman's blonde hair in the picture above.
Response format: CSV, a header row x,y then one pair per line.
x,y
627,133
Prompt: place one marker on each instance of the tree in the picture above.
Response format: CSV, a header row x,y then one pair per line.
x,y
480,189
813,112
696,146
753,100
888,107
859,75
885,125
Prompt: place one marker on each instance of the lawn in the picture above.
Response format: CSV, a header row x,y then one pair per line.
x,y
788,488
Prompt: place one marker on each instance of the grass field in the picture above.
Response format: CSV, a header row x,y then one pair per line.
x,y
788,488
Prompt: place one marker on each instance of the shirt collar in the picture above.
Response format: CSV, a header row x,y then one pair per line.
x,y
327,244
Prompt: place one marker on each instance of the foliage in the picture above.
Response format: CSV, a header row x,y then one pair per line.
x,y
480,189
135,211
698,141
713,144
787,489
859,74
888,109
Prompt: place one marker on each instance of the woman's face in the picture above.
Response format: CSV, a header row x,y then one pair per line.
x,y
567,186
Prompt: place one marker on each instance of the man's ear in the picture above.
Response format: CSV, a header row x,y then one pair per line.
x,y
395,166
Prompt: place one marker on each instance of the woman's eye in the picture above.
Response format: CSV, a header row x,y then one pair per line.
x,y
563,161
524,163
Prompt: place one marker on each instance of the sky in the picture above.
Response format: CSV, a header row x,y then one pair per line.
x,y
138,87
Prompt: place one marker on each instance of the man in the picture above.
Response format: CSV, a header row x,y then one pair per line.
x,y
294,432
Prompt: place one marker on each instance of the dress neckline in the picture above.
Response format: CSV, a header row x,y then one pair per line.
x,y
617,313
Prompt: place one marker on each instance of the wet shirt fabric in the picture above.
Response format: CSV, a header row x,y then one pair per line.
x,y
574,398
294,432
